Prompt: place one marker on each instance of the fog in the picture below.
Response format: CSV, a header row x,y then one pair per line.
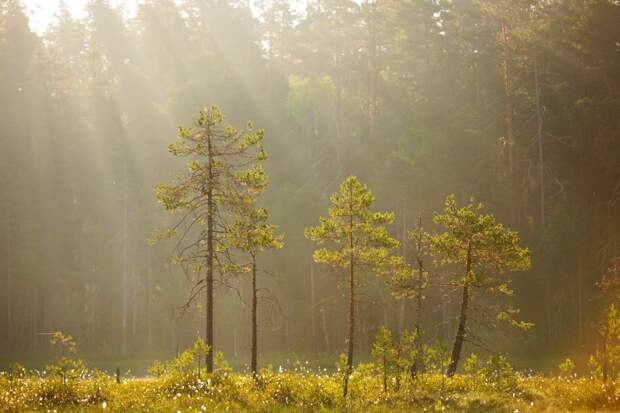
x,y
510,103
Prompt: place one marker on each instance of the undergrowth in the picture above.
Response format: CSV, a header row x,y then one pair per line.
x,y
482,390
183,384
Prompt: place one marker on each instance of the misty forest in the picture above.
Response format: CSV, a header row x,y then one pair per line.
x,y
319,205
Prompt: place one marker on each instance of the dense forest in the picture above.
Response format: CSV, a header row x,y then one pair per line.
x,y
511,103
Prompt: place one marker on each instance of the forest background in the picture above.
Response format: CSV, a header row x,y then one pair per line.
x,y
514,103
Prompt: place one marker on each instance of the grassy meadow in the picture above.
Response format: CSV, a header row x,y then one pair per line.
x,y
182,386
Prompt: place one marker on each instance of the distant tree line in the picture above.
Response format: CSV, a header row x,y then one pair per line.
x,y
514,103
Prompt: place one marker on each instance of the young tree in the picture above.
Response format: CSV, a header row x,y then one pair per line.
x,y
478,251
606,360
384,352
252,234
224,169
359,241
409,282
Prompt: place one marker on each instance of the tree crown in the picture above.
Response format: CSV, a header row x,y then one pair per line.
x,y
357,232
473,236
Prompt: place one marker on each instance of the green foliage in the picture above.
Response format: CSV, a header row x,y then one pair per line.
x,y
494,249
186,365
227,163
476,252
251,232
499,374
410,281
307,94
435,357
222,366
65,344
66,367
411,92
495,387
157,369
605,362
470,363
66,382
357,233
200,349
217,197
341,365
395,358
16,371
385,354
567,366
359,240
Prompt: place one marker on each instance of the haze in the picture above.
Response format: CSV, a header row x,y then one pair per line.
x,y
513,104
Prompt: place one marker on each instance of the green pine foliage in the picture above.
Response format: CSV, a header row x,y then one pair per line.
x,y
358,234
358,239
223,179
478,253
605,362
512,102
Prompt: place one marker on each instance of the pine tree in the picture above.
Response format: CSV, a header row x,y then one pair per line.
x,y
409,282
482,250
224,170
359,239
252,234
606,360
384,352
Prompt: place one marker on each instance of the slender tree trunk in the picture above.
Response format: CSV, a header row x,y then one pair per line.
x,y
460,333
509,121
209,275
415,366
125,280
287,330
477,81
547,316
93,325
254,363
398,358
605,356
351,306
134,304
541,154
362,331
235,333
384,371
508,104
373,72
324,329
177,336
32,314
9,286
579,310
403,302
312,308
149,332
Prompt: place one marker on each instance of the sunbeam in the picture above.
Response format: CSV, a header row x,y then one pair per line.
x,y
309,205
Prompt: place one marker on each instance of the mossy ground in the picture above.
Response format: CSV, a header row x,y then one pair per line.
x,y
304,391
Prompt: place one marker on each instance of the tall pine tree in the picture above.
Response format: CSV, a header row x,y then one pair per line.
x,y
223,160
359,241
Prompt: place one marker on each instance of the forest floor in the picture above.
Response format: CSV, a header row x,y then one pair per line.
x,y
305,391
